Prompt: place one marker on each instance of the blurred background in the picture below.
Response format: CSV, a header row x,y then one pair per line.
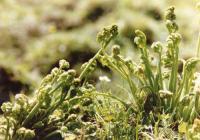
x,y
36,34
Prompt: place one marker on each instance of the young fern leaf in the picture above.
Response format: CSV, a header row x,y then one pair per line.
x,y
140,41
157,47
59,101
104,37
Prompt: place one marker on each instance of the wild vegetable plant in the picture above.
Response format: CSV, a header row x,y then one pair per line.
x,y
164,100
164,88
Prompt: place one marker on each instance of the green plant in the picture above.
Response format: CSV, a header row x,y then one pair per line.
x,y
67,106
164,87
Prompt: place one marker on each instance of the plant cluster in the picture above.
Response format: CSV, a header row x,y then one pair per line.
x,y
164,97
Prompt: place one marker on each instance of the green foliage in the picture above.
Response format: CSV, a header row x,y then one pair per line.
x,y
164,102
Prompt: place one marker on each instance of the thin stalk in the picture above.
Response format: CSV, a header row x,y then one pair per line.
x,y
57,104
91,61
131,83
31,114
51,134
127,77
121,71
176,69
187,113
160,71
185,75
174,72
113,67
148,72
106,95
177,96
84,72
137,129
173,77
133,91
197,103
198,46
37,106
7,129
